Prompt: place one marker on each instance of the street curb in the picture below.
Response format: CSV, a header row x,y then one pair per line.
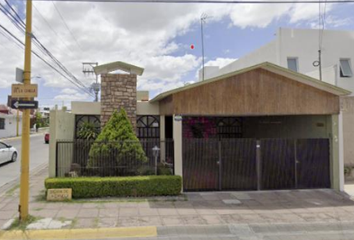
x,y
19,137
100,233
254,230
12,183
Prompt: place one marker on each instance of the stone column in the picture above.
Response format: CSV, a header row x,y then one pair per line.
x,y
118,91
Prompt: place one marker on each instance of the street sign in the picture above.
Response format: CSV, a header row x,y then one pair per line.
x,y
24,90
21,104
19,75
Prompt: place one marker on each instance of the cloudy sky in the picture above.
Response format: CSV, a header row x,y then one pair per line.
x,y
154,36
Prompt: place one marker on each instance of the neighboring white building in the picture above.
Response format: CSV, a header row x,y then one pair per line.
x,y
8,123
297,49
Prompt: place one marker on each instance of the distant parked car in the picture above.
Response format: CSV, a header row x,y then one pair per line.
x,y
46,138
7,153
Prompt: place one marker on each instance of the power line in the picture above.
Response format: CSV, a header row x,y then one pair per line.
x,y
50,27
8,4
37,55
17,22
202,1
66,25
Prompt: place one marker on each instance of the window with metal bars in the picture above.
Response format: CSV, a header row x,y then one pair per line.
x,y
148,126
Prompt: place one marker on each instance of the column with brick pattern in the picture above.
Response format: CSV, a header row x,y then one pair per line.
x,y
117,91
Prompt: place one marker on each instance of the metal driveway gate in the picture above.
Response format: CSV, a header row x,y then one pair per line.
x,y
250,164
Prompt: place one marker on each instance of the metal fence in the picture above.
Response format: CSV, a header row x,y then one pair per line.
x,y
251,164
128,158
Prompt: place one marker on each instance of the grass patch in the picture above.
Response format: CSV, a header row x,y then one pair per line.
x,y
41,197
96,222
37,209
11,191
63,219
22,225
74,223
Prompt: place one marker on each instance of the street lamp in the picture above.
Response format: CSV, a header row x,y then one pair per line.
x,y
155,153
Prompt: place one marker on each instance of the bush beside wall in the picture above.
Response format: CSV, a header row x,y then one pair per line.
x,y
140,186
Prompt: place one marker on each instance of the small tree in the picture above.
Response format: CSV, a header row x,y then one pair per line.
x,y
88,131
38,119
117,145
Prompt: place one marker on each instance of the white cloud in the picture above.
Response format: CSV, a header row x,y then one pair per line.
x,y
72,97
257,15
68,91
220,62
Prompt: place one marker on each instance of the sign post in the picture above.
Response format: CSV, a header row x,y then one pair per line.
x,y
24,183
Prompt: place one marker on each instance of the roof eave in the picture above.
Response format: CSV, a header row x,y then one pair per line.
x,y
270,67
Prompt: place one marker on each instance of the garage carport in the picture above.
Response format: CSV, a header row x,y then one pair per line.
x,y
260,128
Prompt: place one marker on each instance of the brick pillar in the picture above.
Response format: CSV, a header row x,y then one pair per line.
x,y
117,91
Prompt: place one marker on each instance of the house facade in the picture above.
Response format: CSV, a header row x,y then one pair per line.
x,y
297,49
260,128
8,122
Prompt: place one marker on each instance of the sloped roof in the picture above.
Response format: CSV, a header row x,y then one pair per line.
x,y
299,77
114,66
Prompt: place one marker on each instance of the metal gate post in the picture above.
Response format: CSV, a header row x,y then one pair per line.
x,y
259,165
220,164
296,162
56,159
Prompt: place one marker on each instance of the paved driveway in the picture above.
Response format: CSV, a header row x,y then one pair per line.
x,y
298,206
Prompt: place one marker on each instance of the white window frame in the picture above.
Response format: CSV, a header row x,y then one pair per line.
x,y
296,61
341,72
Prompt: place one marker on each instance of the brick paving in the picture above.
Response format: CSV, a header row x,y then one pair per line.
x,y
297,206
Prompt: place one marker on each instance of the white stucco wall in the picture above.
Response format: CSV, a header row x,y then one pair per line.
x,y
86,108
61,128
303,44
147,108
94,108
10,125
266,53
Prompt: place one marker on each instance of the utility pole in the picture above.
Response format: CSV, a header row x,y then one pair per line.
x,y
17,123
87,69
320,63
202,21
24,186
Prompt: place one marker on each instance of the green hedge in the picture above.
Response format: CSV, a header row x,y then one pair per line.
x,y
137,186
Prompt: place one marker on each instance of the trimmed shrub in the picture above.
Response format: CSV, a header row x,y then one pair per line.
x,y
137,186
117,144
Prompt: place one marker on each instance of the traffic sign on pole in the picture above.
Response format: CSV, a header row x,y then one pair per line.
x,y
19,75
24,90
22,104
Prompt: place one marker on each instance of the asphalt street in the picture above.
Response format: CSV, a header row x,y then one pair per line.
x,y
39,155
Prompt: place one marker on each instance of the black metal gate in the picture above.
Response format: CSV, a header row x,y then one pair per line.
x,y
250,164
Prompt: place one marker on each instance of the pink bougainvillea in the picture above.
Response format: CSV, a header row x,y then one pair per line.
x,y
199,127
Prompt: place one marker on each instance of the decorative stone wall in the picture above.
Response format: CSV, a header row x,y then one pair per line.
x,y
117,91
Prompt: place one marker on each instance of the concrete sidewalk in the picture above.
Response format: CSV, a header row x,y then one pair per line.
x,y
191,209
349,189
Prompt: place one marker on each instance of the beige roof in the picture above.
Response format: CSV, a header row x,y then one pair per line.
x,y
299,77
114,66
